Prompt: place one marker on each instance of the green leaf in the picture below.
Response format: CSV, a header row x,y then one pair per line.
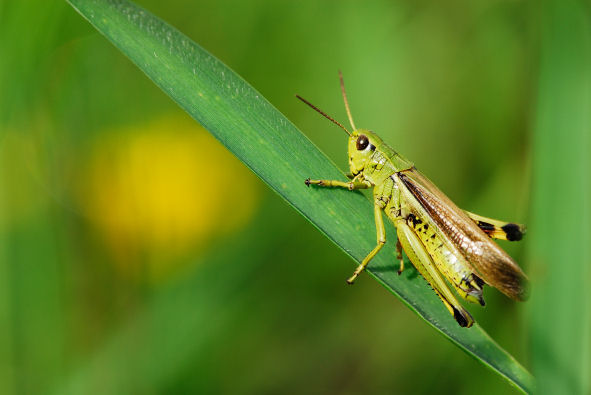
x,y
271,146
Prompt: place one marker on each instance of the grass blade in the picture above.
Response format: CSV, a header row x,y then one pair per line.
x,y
278,153
559,246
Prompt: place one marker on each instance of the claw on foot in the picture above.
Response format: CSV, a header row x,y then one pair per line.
x,y
351,279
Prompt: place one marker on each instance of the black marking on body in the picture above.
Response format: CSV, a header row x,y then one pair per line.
x,y
473,286
421,199
480,282
486,227
481,299
414,219
460,318
429,207
513,232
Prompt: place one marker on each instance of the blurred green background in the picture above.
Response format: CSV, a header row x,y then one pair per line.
x,y
138,256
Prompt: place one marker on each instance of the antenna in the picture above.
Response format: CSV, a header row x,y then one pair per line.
x,y
346,101
323,114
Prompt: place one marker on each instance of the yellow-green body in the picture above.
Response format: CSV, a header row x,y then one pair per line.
x,y
440,240
380,165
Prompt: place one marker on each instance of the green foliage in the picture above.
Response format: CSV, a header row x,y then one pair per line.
x,y
250,127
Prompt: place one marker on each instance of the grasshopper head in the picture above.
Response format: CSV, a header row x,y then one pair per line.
x,y
362,144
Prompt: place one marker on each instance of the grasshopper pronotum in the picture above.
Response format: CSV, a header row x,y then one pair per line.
x,y
440,239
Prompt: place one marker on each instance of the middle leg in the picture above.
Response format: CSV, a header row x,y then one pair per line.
x,y
381,236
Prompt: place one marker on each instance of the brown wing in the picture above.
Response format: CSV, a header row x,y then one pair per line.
x,y
493,264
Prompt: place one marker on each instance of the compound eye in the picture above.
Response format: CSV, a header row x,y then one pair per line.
x,y
362,142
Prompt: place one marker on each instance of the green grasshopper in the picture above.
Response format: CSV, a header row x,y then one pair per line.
x,y
439,239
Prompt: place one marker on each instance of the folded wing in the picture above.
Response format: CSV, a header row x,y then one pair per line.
x,y
492,264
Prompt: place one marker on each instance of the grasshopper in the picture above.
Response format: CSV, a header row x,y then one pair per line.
x,y
440,239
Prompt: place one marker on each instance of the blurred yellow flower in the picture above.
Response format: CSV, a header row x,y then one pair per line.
x,y
159,191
